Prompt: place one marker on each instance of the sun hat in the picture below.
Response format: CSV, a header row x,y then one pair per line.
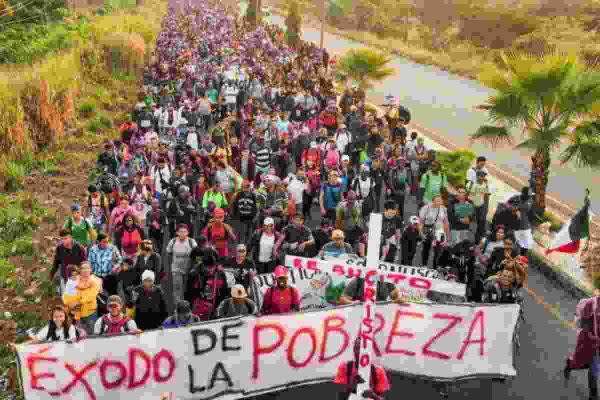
x,y
238,292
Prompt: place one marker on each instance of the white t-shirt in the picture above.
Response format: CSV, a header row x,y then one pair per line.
x,y
434,216
295,190
265,248
60,333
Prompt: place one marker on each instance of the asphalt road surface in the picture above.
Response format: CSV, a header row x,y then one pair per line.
x,y
544,346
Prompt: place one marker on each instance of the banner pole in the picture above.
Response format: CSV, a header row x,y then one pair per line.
x,y
369,305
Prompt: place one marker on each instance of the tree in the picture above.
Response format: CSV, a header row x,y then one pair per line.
x,y
254,11
294,9
364,66
551,101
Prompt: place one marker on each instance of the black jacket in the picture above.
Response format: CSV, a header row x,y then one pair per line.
x,y
244,206
150,311
153,264
242,271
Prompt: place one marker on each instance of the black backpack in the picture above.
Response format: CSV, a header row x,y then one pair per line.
x,y
52,332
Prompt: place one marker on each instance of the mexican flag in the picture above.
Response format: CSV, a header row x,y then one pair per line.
x,y
568,239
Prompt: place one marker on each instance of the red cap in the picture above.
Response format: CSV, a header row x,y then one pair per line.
x,y
219,212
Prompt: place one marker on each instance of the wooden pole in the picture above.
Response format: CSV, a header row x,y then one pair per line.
x,y
323,20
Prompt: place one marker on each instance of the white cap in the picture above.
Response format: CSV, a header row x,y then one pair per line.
x,y
345,157
269,221
414,219
147,274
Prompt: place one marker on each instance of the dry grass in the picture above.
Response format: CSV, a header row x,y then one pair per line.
x,y
37,102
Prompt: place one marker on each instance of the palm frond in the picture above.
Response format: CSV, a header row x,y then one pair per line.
x,y
493,135
508,106
584,148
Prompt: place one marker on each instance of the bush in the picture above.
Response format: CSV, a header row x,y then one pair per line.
x,y
16,176
87,108
455,164
555,222
7,274
94,126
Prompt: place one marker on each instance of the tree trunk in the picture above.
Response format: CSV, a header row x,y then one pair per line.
x,y
540,168
139,3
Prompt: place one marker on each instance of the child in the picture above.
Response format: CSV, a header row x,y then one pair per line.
x,y
70,294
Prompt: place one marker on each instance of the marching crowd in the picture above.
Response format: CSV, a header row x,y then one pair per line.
x,y
236,142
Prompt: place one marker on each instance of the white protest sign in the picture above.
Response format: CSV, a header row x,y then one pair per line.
x,y
241,357
411,281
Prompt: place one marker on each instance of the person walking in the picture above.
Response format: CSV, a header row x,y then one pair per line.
x,y
281,298
115,323
237,305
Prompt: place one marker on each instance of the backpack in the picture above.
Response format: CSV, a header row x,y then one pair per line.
x,y
114,328
70,224
52,332
373,379
229,307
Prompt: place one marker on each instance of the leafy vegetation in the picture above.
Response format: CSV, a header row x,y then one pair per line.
x,y
364,66
555,222
546,99
19,218
455,164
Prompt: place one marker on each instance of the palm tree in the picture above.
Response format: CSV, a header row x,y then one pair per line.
x,y
551,100
363,66
254,11
294,9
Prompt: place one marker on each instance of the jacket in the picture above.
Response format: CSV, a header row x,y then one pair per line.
x,y
150,310
587,343
245,205
86,296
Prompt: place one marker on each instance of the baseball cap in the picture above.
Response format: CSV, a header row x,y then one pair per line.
x,y
114,299
219,212
414,219
75,207
280,272
238,292
269,221
345,157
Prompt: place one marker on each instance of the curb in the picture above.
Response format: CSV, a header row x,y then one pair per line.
x,y
559,278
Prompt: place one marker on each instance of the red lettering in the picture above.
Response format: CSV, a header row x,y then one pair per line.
x,y
258,350
312,265
394,333
454,320
163,354
106,364
31,361
370,294
367,326
368,277
297,263
338,270
479,316
354,273
330,327
420,283
396,277
290,350
365,359
133,354
380,324
79,376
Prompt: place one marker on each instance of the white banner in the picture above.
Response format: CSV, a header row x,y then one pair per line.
x,y
412,281
240,357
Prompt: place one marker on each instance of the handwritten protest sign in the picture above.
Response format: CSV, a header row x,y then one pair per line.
x,y
412,281
240,357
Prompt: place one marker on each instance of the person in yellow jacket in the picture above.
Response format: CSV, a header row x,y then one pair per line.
x,y
84,302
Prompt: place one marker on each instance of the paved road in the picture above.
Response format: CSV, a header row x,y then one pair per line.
x,y
544,345
444,102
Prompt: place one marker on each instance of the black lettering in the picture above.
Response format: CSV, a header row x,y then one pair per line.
x,y
194,389
293,274
227,336
215,376
361,262
196,333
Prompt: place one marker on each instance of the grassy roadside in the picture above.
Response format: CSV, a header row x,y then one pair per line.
x,y
44,175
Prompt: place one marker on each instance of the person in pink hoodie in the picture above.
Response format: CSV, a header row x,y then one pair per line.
x,y
588,343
